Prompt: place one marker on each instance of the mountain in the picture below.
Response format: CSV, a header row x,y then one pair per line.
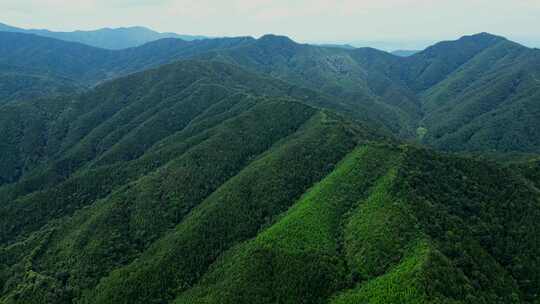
x,y
404,53
341,46
332,71
207,117
489,103
475,94
340,73
38,131
204,182
107,38
452,96
34,66
420,95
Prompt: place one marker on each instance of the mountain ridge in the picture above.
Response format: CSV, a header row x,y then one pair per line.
x,y
227,178
373,86
107,38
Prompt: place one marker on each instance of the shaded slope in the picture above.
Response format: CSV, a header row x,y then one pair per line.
x,y
283,171
344,74
31,54
335,72
130,114
489,103
15,86
234,213
427,68
156,150
454,95
147,118
31,62
366,95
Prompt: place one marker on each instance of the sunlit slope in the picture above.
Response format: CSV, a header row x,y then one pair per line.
x,y
363,235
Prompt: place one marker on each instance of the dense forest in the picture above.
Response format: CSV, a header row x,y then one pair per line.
x,y
242,170
454,96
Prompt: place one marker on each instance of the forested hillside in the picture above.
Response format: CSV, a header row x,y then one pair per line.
x,y
84,65
71,130
201,182
454,96
242,170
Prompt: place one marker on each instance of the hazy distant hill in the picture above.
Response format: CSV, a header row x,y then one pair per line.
x,y
107,38
405,53
341,46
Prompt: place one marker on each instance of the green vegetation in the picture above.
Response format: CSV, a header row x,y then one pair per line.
x,y
297,258
474,94
489,104
231,179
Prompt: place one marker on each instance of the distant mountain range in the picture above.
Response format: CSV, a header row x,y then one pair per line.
x,y
445,96
341,46
405,53
107,38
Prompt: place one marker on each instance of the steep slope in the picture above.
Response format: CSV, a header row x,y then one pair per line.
x,y
373,230
453,96
105,123
342,73
56,60
366,94
476,94
20,86
359,226
106,38
166,152
490,103
202,182
427,68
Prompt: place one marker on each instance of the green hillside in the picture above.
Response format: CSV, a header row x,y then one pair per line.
x,y
453,96
330,71
120,120
216,139
15,86
359,237
84,65
489,103
203,182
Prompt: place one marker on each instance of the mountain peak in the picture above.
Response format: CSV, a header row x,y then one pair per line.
x,y
276,38
470,44
482,36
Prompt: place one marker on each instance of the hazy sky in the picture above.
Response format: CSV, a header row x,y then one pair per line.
x,y
411,21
